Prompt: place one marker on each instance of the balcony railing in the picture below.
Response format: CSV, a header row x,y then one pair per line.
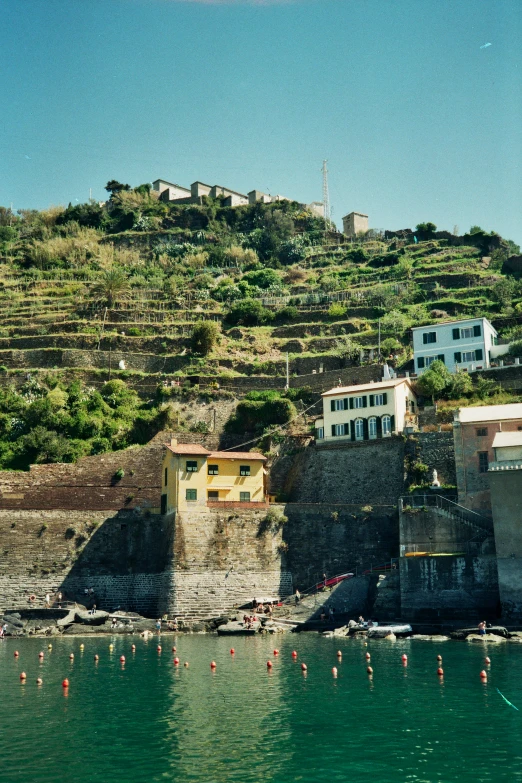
x,y
216,503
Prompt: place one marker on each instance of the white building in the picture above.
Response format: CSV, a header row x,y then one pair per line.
x,y
367,411
355,223
461,345
174,191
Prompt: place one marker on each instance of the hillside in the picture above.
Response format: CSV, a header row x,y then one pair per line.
x,y
86,288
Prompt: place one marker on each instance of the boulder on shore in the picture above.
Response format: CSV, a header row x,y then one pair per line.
x,y
490,638
424,637
496,630
85,617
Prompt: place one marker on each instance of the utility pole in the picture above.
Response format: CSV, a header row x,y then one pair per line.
x,y
379,339
287,374
326,197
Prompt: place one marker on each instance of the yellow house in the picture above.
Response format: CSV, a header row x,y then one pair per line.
x,y
193,477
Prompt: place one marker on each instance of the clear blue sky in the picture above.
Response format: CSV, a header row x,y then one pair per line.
x,y
416,120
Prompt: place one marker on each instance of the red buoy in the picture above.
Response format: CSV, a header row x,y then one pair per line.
x,y
369,670
65,683
404,657
39,681
173,649
294,654
232,651
23,676
487,660
71,656
276,653
483,675
133,648
334,671
122,659
16,653
439,657
367,656
440,672
176,661
212,664
304,667
96,657
40,655
269,664
339,654
158,648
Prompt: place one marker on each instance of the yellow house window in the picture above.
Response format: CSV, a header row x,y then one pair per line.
x,y
213,470
191,494
192,466
166,475
244,497
244,470
213,494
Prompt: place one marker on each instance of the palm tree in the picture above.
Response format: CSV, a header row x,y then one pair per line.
x,y
112,287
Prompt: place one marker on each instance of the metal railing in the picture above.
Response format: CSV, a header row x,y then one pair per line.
x,y
439,549
446,504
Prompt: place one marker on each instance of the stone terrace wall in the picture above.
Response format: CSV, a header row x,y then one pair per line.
x,y
335,538
442,588
361,473
436,450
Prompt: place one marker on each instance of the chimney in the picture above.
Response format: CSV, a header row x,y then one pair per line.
x,y
173,442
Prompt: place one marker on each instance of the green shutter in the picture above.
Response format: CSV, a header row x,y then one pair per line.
x,y
345,403
351,403
385,398
392,423
477,332
332,405
365,401
456,334
372,400
379,427
479,355
440,357
420,362
333,430
365,429
352,429
346,430
458,357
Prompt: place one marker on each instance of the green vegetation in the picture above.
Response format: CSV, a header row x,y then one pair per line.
x,y
213,293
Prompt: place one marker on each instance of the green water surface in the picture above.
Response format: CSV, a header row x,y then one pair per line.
x,y
150,721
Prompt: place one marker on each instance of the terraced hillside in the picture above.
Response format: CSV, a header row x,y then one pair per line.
x,y
178,296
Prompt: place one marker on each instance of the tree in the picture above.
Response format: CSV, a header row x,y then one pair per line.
x,y
504,291
394,322
435,381
461,385
112,287
249,312
263,278
113,186
204,337
428,229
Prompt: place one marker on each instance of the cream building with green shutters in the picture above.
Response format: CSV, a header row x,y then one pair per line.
x,y
367,412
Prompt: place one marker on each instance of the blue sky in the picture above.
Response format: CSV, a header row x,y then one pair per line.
x,y
416,120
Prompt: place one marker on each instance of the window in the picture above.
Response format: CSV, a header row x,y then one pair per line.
x,y
166,475
469,356
213,470
359,402
244,497
431,359
339,429
412,406
483,461
372,428
482,432
320,433
192,466
163,509
467,332
244,470
339,405
359,429
380,399
429,337
386,426
191,494
213,494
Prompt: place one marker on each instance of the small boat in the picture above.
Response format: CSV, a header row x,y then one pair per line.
x,y
398,629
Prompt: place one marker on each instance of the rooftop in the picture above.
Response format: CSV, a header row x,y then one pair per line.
x,y
237,455
449,323
377,386
195,449
174,184
512,410
504,439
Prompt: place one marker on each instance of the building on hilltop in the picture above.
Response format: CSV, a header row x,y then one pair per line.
x,y
367,411
169,191
474,434
355,223
193,477
505,481
462,345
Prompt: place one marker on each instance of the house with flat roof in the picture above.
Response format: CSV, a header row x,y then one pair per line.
x,y
461,345
367,411
476,430
194,477
169,191
355,223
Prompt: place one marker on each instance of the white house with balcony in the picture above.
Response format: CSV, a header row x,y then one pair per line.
x,y
367,411
461,345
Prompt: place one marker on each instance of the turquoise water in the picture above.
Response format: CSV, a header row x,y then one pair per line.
x,y
150,721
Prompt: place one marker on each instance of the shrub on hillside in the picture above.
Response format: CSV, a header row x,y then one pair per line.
x,y
257,415
287,313
204,337
515,349
249,312
336,310
263,278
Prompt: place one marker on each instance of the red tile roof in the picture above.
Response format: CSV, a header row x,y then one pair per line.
x,y
189,448
237,455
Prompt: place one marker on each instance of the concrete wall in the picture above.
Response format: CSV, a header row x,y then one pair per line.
x,y
506,505
367,472
461,588
435,530
335,538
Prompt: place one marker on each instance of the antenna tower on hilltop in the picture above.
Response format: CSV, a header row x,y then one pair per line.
x,y
326,197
